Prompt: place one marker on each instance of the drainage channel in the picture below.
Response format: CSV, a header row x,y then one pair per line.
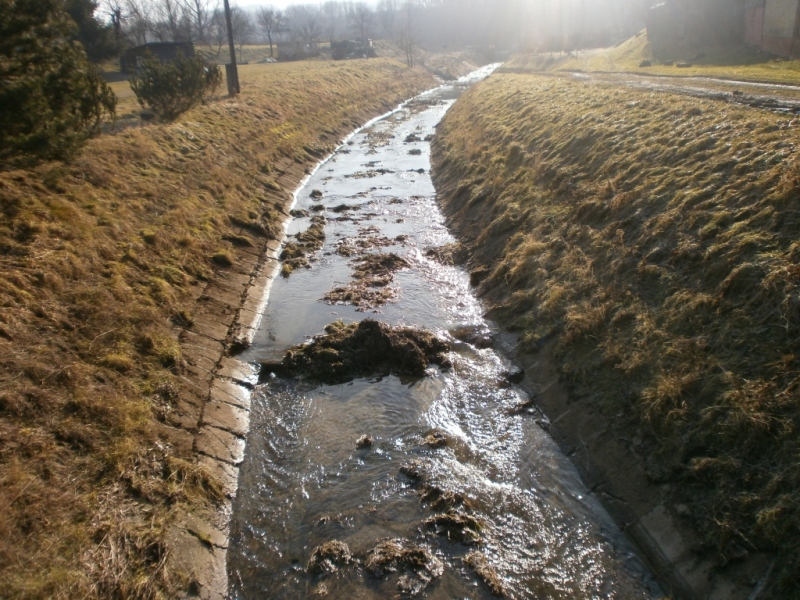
x,y
440,486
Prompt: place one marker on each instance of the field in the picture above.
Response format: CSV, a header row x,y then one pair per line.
x,y
101,264
725,62
654,237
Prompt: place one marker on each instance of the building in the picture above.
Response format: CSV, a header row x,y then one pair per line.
x,y
687,24
164,51
774,26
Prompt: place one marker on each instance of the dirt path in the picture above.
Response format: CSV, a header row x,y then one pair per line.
x,y
780,98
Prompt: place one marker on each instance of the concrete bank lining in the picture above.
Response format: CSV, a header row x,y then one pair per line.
x,y
612,469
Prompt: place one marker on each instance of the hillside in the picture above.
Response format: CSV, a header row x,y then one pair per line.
x,y
102,263
648,243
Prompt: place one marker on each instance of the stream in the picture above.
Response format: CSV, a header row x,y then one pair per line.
x,y
463,440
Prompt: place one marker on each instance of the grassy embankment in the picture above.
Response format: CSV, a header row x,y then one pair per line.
x,y
100,259
726,62
657,237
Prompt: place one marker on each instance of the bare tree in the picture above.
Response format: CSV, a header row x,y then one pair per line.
x,y
387,9
218,29
139,20
332,13
173,22
408,34
304,22
271,21
242,28
361,17
201,12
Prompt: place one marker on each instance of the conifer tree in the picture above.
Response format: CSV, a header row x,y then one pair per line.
x,y
52,98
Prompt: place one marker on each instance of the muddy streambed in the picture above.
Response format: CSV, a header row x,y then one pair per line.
x,y
440,486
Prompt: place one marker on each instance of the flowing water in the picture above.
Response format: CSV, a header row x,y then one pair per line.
x,y
304,482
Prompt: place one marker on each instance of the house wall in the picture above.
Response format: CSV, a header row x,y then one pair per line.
x,y
780,27
754,26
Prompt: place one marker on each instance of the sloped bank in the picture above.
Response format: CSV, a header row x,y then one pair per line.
x,y
640,249
128,280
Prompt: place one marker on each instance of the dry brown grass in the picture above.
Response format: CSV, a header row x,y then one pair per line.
x,y
656,235
96,258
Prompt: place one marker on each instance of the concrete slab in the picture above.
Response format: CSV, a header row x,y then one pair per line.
x,y
204,563
227,474
222,295
180,440
232,393
215,331
218,311
220,444
232,368
227,416
200,345
202,528
235,282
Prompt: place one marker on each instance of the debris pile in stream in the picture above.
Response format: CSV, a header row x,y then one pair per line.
x,y
360,350
478,563
457,527
329,557
370,287
455,253
295,253
416,564
443,500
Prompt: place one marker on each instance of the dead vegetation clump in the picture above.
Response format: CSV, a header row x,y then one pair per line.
x,y
363,349
101,262
295,253
372,276
435,438
653,237
457,527
329,557
486,572
416,565
451,254
443,500
350,246
363,296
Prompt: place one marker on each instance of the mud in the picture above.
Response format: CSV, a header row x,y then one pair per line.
x,y
361,295
479,336
416,565
351,246
365,441
413,470
363,349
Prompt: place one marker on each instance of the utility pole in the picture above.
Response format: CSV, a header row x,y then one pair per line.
x,y
231,72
